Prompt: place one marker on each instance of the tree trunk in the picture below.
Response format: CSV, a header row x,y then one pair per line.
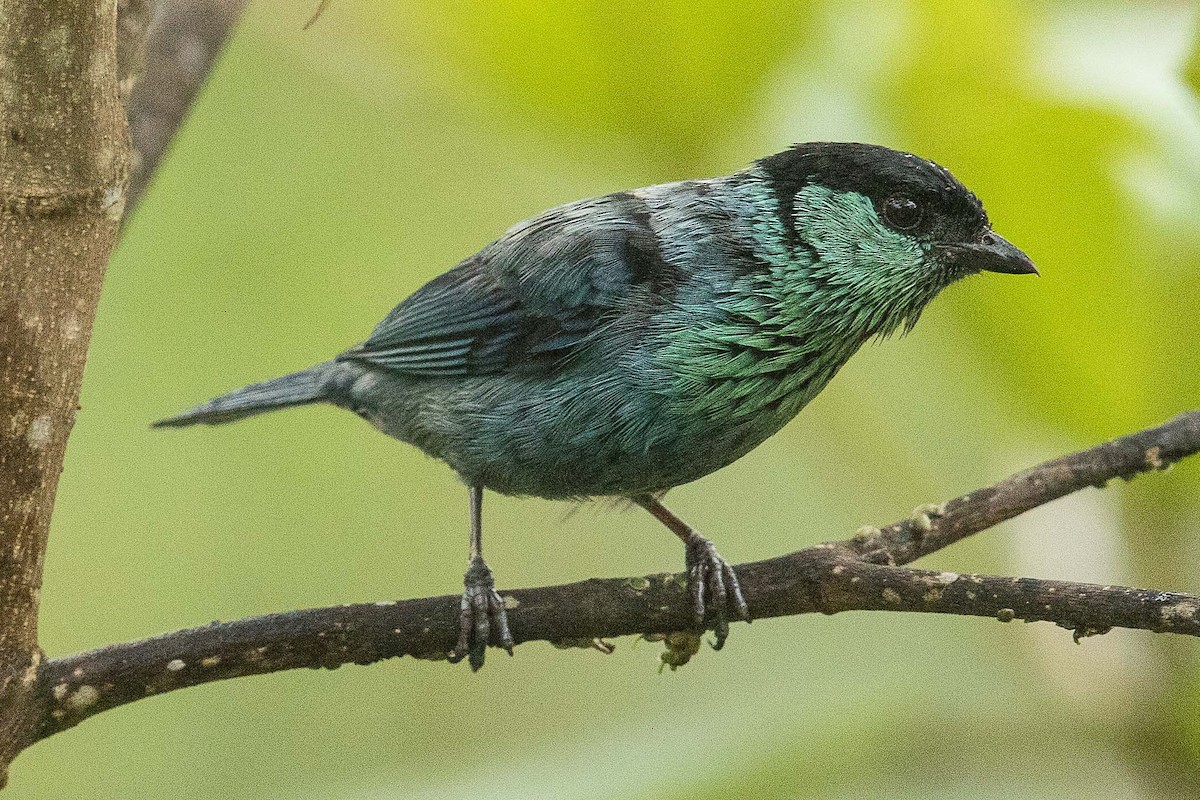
x,y
63,170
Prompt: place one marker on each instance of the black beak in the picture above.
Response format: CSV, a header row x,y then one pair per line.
x,y
993,253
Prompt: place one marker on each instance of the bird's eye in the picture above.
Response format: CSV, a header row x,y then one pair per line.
x,y
901,213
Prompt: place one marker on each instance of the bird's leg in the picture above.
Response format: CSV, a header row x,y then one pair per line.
x,y
482,613
711,581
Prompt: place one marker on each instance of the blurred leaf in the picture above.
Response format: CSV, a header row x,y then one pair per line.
x,y
1028,157
674,76
1191,71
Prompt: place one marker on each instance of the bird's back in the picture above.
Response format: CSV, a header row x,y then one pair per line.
x,y
604,347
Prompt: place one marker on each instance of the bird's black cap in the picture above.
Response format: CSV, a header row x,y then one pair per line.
x,y
878,173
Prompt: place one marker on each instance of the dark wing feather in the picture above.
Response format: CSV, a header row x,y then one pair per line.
x,y
528,301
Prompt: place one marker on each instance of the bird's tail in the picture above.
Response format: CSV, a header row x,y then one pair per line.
x,y
296,389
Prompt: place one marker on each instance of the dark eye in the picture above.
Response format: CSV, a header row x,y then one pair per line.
x,y
901,213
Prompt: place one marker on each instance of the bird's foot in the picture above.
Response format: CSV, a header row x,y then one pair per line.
x,y
482,617
713,586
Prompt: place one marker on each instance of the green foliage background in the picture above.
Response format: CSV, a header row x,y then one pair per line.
x,y
326,174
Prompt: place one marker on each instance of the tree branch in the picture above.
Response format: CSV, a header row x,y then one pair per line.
x,y
856,574
183,43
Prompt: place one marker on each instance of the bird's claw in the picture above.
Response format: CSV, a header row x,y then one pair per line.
x,y
713,586
481,618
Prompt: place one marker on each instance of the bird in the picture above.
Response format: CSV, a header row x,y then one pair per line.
x,y
624,345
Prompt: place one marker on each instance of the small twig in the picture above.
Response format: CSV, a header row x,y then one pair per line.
x,y
857,574
317,12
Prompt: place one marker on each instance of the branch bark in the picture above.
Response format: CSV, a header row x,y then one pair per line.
x,y
183,43
862,573
63,168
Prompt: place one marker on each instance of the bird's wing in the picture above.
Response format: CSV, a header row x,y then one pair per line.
x,y
527,301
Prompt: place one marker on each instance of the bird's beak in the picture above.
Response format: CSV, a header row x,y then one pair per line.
x,y
994,253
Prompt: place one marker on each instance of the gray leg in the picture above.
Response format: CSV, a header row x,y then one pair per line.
x,y
482,612
711,581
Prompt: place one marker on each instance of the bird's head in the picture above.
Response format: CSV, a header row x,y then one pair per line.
x,y
880,230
